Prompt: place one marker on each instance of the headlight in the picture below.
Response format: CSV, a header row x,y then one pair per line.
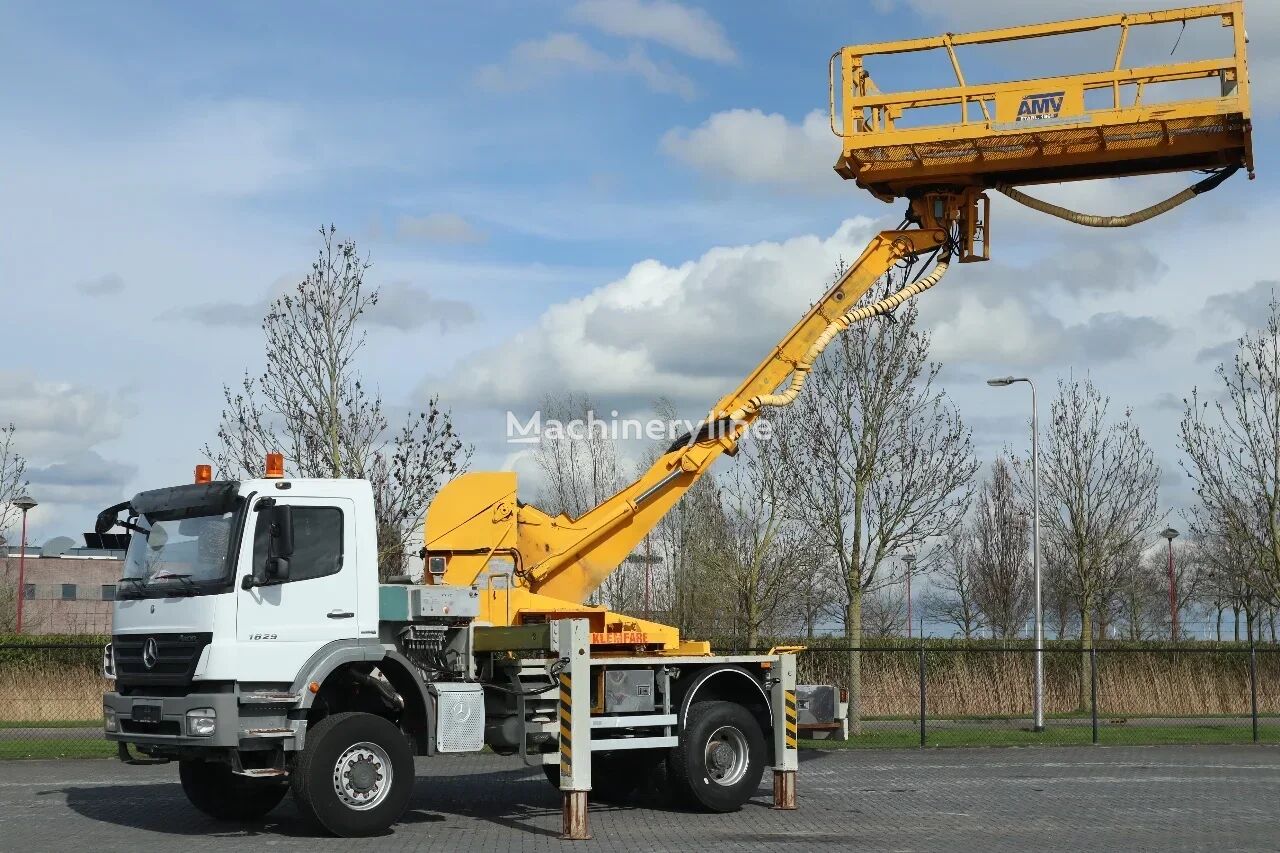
x,y
108,662
109,719
201,722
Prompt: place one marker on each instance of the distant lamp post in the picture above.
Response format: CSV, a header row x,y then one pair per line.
x,y
26,504
648,560
910,561
1171,534
1037,699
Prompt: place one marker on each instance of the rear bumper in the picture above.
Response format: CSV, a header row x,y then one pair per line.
x,y
256,729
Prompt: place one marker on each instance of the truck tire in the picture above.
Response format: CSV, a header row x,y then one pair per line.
x,y
614,776
355,776
720,758
213,789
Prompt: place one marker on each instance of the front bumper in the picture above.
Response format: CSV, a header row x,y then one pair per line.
x,y
239,724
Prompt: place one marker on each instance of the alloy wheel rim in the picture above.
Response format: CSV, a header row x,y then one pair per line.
x,y
727,756
362,776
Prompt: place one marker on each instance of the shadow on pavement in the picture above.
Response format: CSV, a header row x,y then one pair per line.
x,y
519,799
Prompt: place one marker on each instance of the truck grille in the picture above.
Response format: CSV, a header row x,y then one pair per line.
x,y
174,663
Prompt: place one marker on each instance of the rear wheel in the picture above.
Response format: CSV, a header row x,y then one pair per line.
x,y
720,758
355,776
213,789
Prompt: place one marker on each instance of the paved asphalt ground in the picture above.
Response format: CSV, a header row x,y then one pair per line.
x,y
1221,798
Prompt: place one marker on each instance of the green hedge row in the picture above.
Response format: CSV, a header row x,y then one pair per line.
x,y
52,650
98,640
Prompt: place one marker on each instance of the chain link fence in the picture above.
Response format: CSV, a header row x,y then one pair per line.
x,y
51,697
963,695
932,694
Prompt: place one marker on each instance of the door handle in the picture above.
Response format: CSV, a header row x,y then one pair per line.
x,y
340,614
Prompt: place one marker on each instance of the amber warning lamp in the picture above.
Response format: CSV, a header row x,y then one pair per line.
x,y
275,466
204,473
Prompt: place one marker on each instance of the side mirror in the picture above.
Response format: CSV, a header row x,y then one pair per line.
x,y
280,548
106,520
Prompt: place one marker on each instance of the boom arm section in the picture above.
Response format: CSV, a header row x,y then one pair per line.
x,y
476,517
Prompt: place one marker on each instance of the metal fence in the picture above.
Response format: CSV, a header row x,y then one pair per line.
x,y
51,699
955,695
939,694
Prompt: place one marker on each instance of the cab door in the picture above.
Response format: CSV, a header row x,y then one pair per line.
x,y
280,625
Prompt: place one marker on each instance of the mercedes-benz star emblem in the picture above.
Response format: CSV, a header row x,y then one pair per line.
x,y
150,652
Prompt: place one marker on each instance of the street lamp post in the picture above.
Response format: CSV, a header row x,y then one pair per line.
x,y
910,561
24,503
1037,698
1171,534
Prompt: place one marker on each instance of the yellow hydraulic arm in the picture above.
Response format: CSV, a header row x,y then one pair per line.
x,y
533,566
548,566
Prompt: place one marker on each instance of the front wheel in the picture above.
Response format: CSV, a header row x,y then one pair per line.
x,y
213,789
355,776
720,758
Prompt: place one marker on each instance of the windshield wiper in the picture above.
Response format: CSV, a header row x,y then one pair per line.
x,y
141,586
189,586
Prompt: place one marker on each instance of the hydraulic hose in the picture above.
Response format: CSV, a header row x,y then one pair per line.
x,y
800,373
1128,219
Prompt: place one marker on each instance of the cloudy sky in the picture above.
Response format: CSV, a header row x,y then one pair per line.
x,y
620,198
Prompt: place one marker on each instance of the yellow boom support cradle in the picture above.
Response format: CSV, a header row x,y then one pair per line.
x,y
1042,130
532,566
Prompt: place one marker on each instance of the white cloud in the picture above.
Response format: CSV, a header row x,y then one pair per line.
x,y
55,418
438,228
404,307
535,62
691,331
758,148
82,478
57,426
1249,307
688,30
104,285
400,306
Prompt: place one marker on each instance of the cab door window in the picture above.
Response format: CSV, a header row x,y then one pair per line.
x,y
317,543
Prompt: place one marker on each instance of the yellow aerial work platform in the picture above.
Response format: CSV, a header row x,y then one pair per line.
x,y
1041,130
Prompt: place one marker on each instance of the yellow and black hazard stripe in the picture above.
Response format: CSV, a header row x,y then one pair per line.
x,y
791,730
566,725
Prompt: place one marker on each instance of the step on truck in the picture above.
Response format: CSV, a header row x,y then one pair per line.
x,y
254,645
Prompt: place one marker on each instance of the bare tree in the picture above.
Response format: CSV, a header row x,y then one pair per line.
x,y
951,598
879,458
682,592
311,404
1232,447
13,483
884,612
1001,565
1061,614
760,552
1232,565
1099,490
812,599
1136,607
581,468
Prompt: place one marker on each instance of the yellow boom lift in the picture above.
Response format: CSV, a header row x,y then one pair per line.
x,y
532,567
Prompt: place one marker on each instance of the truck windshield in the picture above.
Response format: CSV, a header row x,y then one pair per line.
x,y
179,555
